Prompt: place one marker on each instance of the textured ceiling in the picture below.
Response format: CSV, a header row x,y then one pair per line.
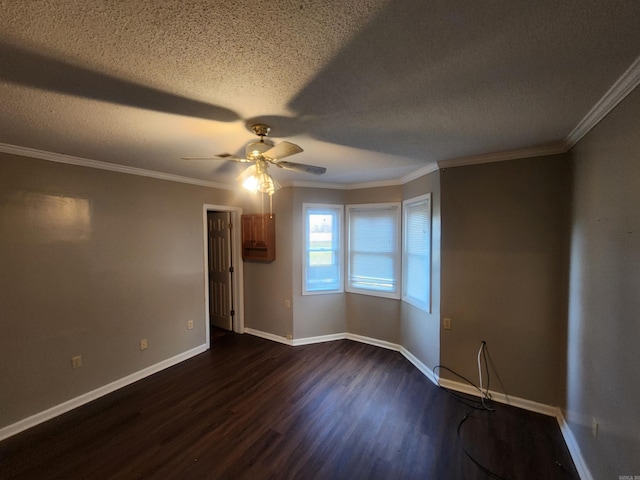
x,y
371,89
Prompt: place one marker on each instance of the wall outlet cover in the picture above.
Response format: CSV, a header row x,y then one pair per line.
x,y
76,362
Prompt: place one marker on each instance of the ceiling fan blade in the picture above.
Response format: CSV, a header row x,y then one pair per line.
x,y
301,167
281,150
222,156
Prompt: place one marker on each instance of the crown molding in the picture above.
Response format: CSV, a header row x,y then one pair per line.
x,y
629,80
303,184
427,169
540,151
379,183
85,162
347,186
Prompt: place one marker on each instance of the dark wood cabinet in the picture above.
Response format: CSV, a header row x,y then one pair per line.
x,y
258,237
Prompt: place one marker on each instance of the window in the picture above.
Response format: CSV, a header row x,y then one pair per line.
x,y
322,264
416,252
374,249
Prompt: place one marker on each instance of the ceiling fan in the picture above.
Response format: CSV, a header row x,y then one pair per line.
x,y
256,178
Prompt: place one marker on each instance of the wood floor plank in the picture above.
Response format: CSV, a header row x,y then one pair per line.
x,y
254,409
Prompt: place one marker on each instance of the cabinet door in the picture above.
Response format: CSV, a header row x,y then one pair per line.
x,y
248,230
258,238
261,224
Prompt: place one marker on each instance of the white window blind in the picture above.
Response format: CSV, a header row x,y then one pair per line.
x,y
416,254
374,249
322,263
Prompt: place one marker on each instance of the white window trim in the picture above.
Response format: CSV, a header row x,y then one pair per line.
x,y
398,260
305,228
426,306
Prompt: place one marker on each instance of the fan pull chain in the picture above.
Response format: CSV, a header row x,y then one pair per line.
x,y
271,206
262,216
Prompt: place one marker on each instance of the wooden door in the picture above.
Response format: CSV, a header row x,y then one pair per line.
x,y
220,270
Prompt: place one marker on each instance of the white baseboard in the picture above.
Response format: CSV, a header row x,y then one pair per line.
x,y
500,397
569,439
574,448
268,336
323,338
525,404
297,341
373,341
426,371
319,339
52,412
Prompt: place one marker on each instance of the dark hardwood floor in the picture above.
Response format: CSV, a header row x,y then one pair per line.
x,y
254,409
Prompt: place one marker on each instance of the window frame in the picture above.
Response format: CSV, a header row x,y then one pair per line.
x,y
338,244
423,304
397,255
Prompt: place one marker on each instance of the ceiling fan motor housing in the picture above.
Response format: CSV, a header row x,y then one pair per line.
x,y
261,129
255,149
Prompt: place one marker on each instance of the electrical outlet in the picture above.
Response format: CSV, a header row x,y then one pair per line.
x,y
287,303
446,324
144,344
76,362
190,325
594,428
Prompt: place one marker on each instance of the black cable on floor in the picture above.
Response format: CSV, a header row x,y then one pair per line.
x,y
481,405
466,452
456,396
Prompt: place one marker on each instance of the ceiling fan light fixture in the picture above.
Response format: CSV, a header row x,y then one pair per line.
x,y
251,183
256,179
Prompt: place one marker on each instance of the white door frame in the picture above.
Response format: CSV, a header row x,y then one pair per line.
x,y
237,283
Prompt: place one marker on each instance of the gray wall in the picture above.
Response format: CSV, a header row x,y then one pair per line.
x,y
313,315
504,280
603,377
268,285
420,330
92,261
370,316
375,317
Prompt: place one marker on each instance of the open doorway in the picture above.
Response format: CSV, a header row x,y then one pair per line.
x,y
223,270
